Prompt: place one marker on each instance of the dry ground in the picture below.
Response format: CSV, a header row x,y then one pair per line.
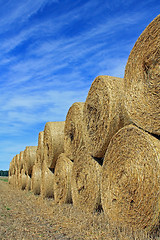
x,y
26,216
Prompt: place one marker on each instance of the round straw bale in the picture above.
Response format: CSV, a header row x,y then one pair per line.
x,y
29,158
85,182
131,178
36,178
53,142
12,180
21,161
17,168
73,133
47,182
12,166
102,114
62,180
142,79
23,179
40,152
28,183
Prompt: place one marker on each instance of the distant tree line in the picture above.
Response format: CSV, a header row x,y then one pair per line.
x,y
3,173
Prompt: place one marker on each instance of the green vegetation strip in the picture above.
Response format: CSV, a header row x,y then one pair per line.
x,y
4,179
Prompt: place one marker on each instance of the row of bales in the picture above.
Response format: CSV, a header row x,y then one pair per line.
x,y
106,155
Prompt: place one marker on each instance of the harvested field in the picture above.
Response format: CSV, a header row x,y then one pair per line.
x,y
26,216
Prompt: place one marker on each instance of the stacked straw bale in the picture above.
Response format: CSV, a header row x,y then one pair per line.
x,y
36,172
103,114
142,79
47,182
36,179
53,142
17,167
131,178
73,130
85,182
29,158
21,161
40,151
62,180
23,180
12,172
28,183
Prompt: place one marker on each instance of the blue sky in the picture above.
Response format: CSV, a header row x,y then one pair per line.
x,y
51,51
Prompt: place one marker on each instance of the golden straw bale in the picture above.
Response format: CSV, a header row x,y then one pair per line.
x,y
28,183
53,142
62,180
36,178
142,79
36,172
103,114
85,182
131,178
73,133
23,179
12,180
47,182
17,167
12,166
40,151
21,161
29,158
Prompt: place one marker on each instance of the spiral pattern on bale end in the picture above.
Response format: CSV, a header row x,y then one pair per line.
x,y
53,142
47,182
62,180
73,130
142,79
29,158
131,178
85,182
23,180
103,113
36,178
40,148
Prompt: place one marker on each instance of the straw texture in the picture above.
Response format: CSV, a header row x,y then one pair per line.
x,y
85,182
37,168
29,158
62,180
47,182
23,179
28,183
103,114
73,130
130,178
53,142
36,179
142,79
17,167
21,161
40,150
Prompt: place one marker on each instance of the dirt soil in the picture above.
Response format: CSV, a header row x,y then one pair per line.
x,y
26,216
